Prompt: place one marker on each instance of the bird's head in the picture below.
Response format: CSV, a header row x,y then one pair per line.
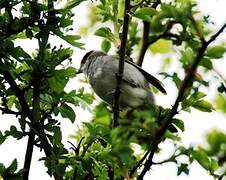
x,y
89,56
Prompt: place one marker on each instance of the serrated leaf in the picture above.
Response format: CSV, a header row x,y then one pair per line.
x,y
60,78
203,106
71,39
216,52
82,99
67,112
182,168
145,13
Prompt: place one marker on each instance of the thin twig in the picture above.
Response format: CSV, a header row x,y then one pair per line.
x,y
187,82
139,163
136,4
119,75
9,111
170,159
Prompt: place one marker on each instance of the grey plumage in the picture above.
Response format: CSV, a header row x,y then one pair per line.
x,y
100,69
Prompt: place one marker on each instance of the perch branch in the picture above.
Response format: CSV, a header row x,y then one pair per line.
x,y
119,75
187,82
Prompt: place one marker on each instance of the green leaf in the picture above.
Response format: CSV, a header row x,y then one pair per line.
x,y
80,98
196,96
71,4
207,63
203,106
57,135
213,165
145,13
2,168
14,132
29,33
11,101
105,45
71,39
202,158
106,33
67,112
179,123
13,166
174,77
60,78
172,136
46,98
161,46
187,56
60,169
216,52
222,88
2,138
220,102
19,54
182,168
70,72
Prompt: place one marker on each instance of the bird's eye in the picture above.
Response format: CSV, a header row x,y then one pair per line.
x,y
86,56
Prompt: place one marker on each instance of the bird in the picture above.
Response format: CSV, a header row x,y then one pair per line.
x,y
100,70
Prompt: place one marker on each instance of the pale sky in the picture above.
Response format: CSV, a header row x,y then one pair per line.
x,y
196,123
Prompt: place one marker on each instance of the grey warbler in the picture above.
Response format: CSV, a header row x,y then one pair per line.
x,y
100,69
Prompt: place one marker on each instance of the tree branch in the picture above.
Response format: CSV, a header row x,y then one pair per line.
x,y
119,75
6,110
145,37
136,4
187,82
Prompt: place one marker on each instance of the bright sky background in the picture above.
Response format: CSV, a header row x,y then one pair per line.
x,y
196,123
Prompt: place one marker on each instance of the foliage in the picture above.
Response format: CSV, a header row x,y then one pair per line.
x,y
33,85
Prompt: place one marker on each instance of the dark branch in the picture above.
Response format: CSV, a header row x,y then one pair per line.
x,y
145,38
6,110
187,82
139,163
119,75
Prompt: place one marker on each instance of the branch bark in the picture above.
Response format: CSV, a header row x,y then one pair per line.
x,y
187,82
119,75
145,37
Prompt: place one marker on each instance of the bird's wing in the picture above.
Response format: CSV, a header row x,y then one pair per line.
x,y
131,74
151,79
